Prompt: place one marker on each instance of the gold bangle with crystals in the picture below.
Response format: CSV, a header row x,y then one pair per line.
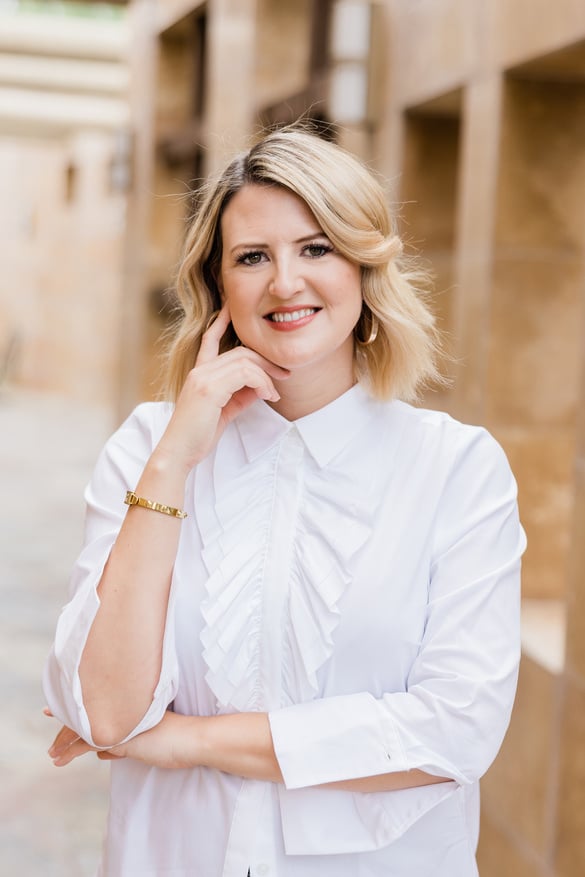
x,y
132,499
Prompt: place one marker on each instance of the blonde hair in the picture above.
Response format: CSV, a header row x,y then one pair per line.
x,y
350,207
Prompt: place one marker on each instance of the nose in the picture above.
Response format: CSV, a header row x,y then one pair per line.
x,y
286,280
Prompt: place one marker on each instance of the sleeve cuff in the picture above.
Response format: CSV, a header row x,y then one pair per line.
x,y
335,739
311,818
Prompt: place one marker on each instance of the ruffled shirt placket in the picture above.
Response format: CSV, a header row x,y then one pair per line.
x,y
270,563
278,564
279,540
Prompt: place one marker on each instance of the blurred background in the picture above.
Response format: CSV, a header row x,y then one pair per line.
x,y
110,116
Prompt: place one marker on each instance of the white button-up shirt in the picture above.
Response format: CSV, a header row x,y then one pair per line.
x,y
355,574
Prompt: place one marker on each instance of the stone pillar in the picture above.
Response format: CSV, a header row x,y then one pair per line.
x,y
134,315
230,98
536,313
427,210
570,838
534,796
480,140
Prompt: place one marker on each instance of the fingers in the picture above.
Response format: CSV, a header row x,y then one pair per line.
x,y
213,383
64,738
233,373
208,355
211,340
239,362
63,742
68,746
215,391
212,336
275,371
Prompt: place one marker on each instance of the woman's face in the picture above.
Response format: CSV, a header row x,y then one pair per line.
x,y
292,297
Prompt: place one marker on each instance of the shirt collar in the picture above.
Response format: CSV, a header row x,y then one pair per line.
x,y
325,432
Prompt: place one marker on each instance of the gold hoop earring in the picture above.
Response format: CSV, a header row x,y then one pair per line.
x,y
374,327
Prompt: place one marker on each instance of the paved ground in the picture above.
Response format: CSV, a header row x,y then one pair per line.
x,y
51,820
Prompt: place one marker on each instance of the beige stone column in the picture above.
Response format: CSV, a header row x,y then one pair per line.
x,y
480,141
576,579
230,98
134,316
570,837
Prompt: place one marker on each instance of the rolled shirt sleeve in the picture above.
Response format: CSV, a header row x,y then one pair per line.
x,y
117,470
451,719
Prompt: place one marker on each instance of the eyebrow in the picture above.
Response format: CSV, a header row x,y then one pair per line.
x,y
256,246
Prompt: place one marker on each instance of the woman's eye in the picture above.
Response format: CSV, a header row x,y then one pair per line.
x,y
250,258
316,250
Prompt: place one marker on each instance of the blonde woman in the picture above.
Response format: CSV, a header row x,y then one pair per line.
x,y
298,640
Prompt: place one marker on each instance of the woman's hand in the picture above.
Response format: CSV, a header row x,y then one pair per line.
x,y
239,744
170,744
216,390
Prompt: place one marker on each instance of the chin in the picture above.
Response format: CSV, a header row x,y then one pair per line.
x,y
292,360
280,354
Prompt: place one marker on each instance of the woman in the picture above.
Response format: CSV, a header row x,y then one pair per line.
x,y
309,672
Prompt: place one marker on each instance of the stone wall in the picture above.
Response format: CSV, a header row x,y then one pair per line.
x,y
64,147
491,151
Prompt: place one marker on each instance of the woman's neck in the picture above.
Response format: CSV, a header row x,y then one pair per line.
x,y
302,394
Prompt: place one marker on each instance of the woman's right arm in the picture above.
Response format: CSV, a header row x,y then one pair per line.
x,y
122,658
121,661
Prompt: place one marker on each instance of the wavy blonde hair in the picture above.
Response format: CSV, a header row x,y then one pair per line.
x,y
350,206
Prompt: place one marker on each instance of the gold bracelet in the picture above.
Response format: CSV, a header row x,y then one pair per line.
x,y
132,499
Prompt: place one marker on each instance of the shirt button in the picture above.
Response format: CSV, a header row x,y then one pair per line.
x,y
262,870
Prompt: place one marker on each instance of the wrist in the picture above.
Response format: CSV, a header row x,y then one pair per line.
x,y
163,480
167,464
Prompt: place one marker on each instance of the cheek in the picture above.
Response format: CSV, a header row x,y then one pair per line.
x,y
240,311
234,294
352,284
241,304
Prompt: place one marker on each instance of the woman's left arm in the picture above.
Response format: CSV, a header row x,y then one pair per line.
x,y
239,744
